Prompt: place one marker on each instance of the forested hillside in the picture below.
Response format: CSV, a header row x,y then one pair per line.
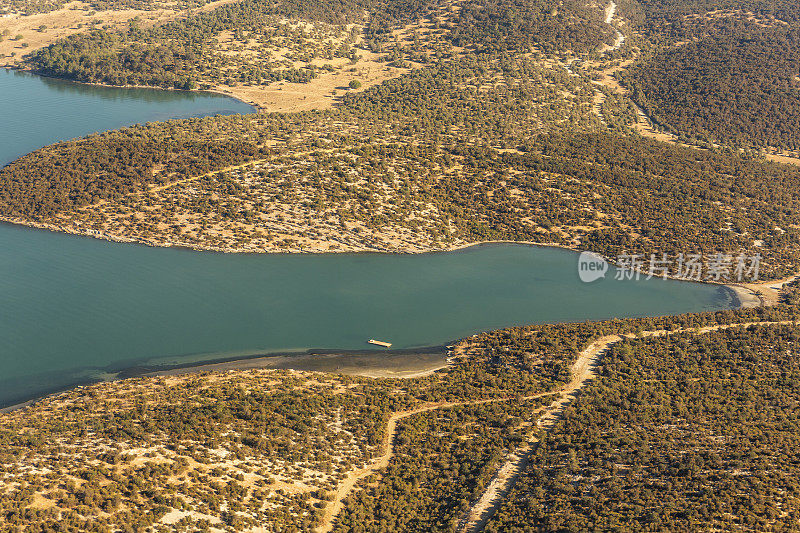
x,y
679,19
477,142
423,162
686,432
187,53
275,449
179,54
720,72
738,86
444,459
490,120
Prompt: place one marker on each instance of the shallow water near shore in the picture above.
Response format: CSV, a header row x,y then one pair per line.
x,y
74,309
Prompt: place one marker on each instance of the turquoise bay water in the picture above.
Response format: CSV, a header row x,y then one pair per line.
x,y
37,111
73,307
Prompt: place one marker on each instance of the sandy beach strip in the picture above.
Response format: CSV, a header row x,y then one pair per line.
x,y
382,364
747,297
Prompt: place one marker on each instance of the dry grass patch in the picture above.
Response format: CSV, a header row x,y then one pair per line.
x,y
74,17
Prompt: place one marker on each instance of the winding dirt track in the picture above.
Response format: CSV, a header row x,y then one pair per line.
x,y
582,370
507,475
382,461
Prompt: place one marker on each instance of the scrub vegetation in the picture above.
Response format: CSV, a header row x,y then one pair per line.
x,y
429,126
686,432
482,148
721,72
497,128
273,448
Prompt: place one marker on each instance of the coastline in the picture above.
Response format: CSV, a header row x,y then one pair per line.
x,y
157,243
403,364
220,92
747,297
745,293
324,360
